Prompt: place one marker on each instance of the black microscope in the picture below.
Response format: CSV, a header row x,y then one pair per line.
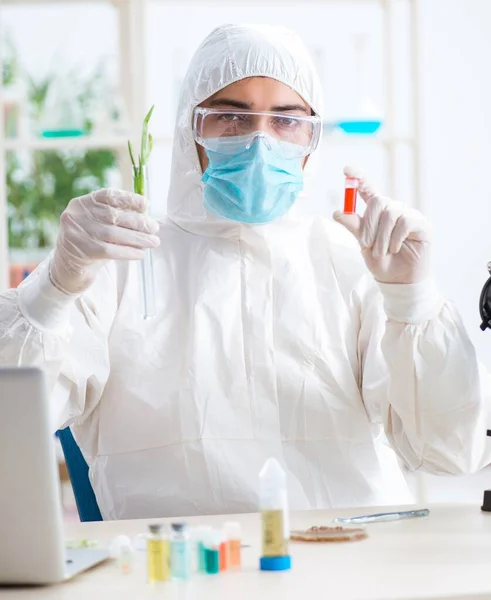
x,y
485,311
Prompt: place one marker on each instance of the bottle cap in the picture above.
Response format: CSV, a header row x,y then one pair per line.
x,y
486,503
272,475
232,530
155,528
200,532
213,539
275,563
119,544
178,527
351,182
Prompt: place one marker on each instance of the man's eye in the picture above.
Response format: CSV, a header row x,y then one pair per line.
x,y
230,118
286,122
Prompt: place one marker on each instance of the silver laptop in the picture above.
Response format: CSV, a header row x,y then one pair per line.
x,y
32,547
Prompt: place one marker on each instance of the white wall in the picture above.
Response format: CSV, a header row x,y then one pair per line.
x,y
456,132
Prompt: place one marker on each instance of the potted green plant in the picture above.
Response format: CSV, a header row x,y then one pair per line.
x,y
40,183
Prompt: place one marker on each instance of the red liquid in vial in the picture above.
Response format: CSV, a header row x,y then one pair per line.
x,y
350,200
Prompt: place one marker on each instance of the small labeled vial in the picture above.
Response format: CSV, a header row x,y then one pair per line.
x,y
212,543
122,549
200,536
274,517
180,552
126,559
233,534
158,554
350,194
224,552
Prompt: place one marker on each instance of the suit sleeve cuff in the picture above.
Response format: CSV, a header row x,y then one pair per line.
x,y
411,303
44,306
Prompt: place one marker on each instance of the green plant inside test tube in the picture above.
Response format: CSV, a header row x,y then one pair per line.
x,y
140,187
146,150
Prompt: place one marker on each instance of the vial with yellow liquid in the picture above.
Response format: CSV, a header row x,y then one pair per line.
x,y
158,554
274,517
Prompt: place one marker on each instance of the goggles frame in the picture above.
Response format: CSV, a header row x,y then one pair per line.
x,y
314,120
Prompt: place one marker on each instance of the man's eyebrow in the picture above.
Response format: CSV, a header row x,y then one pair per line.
x,y
290,107
230,102
241,105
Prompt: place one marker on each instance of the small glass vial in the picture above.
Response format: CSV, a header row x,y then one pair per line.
x,y
200,536
233,534
212,544
224,552
350,194
122,549
158,555
180,552
126,559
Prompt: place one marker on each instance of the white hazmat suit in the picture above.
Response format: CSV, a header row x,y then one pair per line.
x,y
270,340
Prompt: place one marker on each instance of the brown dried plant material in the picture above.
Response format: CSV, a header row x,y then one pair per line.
x,y
329,534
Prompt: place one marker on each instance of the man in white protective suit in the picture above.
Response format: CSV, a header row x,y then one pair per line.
x,y
325,345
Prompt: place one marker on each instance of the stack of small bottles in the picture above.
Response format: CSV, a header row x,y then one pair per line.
x,y
170,552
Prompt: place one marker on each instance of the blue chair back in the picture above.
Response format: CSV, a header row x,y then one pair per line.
x,y
78,470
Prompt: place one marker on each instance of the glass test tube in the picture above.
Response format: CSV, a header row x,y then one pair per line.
x,y
350,194
147,285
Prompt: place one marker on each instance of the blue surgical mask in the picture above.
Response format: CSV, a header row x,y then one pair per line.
x,y
255,185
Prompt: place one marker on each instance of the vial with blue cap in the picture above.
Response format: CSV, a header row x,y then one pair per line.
x,y
274,517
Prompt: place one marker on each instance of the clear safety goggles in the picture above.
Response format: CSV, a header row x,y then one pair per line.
x,y
231,131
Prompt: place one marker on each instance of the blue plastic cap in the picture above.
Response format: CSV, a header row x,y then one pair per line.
x,y
275,563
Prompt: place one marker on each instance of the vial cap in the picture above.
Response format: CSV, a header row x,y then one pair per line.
x,y
213,540
351,182
178,527
200,532
155,528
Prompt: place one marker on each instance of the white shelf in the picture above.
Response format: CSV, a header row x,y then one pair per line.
x,y
76,143
68,143
365,140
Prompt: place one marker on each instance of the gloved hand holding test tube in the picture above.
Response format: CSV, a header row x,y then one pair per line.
x,y
141,186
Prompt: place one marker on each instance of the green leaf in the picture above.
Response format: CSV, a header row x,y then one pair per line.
x,y
145,141
150,145
131,155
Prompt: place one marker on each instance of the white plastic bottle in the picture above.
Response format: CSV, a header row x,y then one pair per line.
x,y
274,517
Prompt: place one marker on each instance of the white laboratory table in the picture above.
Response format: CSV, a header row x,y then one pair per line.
x,y
447,555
